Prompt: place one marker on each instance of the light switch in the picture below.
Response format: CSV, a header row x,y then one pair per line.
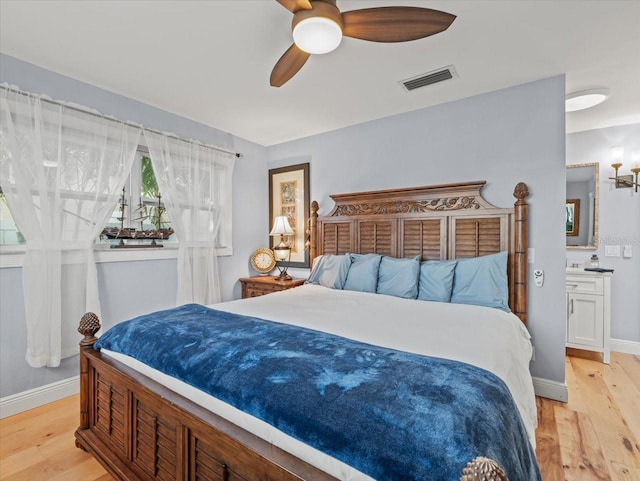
x,y
612,251
531,255
626,253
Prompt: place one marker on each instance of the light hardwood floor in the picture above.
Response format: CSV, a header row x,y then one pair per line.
x,y
595,436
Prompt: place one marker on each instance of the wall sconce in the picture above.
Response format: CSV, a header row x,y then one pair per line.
x,y
625,181
282,251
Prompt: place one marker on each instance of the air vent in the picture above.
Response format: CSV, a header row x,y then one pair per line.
x,y
429,78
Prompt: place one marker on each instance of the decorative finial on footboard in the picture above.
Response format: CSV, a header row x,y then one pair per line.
x,y
483,469
89,325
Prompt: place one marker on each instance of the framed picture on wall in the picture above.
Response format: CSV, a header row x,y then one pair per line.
x,y
572,213
289,196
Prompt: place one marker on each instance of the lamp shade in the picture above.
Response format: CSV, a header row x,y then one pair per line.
x,y
281,226
617,153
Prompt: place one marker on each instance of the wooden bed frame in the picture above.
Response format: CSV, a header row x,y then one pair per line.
x,y
451,221
140,430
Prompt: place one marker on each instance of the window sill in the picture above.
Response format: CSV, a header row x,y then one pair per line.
x,y
13,256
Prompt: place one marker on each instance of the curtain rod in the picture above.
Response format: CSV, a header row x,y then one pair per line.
x,y
113,119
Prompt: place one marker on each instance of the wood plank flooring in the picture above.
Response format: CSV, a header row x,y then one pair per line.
x,y
595,436
38,445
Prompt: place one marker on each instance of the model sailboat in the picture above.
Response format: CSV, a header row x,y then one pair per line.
x,y
153,213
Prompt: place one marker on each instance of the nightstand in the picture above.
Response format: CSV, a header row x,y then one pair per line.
x,y
260,285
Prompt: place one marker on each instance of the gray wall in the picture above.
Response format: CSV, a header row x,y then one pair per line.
x,y
504,137
127,289
618,224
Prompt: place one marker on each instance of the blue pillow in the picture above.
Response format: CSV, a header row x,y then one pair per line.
x,y
330,270
363,273
482,281
399,277
436,280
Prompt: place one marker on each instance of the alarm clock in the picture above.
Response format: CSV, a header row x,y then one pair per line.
x,y
263,260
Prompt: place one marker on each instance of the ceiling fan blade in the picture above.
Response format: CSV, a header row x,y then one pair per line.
x,y
288,65
395,24
295,5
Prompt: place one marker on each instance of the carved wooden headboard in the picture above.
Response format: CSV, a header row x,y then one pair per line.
x,y
438,222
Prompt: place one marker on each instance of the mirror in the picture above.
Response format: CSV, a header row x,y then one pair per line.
x,y
581,209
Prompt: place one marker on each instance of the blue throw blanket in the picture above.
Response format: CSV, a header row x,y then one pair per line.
x,y
390,414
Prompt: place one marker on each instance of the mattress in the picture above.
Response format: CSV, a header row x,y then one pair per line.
x,y
487,338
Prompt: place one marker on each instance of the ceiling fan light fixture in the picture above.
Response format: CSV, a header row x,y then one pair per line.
x,y
318,27
317,35
585,99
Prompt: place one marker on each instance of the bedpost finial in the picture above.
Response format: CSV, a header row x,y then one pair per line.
x,y
521,191
314,207
89,325
483,469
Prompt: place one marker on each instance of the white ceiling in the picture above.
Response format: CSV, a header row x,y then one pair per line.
x,y
210,60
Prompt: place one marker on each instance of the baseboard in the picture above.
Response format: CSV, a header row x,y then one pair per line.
x,y
33,398
628,347
555,390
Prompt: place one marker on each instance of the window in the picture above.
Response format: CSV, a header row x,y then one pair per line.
x,y
9,233
143,209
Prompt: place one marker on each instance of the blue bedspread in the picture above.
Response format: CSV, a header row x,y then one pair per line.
x,y
390,414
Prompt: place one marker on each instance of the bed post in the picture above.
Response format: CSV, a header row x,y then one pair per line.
x,y
521,237
89,325
313,232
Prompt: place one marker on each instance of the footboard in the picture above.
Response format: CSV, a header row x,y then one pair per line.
x,y
140,430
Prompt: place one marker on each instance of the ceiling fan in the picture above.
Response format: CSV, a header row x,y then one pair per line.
x,y
318,27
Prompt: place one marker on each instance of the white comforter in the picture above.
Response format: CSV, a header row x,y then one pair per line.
x,y
488,338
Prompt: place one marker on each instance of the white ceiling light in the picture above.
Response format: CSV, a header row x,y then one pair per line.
x,y
585,99
317,35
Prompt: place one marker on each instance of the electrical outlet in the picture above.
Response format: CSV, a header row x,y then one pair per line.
x,y
533,353
627,251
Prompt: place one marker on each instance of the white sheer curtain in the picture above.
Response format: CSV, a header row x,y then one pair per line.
x,y
195,183
61,170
